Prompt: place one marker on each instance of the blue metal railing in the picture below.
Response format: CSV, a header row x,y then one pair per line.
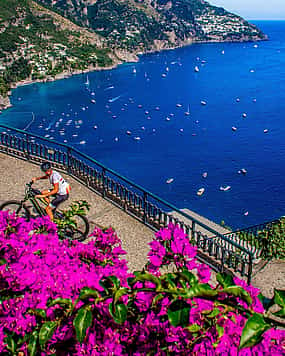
x,y
264,240
215,249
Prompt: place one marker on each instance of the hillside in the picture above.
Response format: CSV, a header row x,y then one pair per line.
x,y
45,39
143,25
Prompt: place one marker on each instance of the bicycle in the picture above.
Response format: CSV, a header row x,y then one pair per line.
x,y
78,229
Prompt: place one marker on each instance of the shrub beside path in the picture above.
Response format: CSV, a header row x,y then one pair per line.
x,y
134,235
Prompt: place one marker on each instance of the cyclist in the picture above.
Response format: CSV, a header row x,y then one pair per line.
x,y
60,189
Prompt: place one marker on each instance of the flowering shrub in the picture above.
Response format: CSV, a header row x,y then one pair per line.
x,y
69,298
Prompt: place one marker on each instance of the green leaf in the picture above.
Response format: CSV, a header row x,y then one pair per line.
x,y
225,279
81,322
2,261
119,293
11,344
39,312
188,276
178,313
46,332
170,279
32,345
201,290
280,313
253,331
194,328
131,281
87,293
238,291
145,276
115,280
279,297
220,331
105,284
60,301
266,302
156,299
118,312
213,313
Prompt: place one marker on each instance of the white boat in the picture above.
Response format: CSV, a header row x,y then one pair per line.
x,y
87,81
93,101
137,138
179,105
169,180
196,69
226,188
134,71
204,175
200,191
244,115
234,128
82,142
203,102
265,130
187,113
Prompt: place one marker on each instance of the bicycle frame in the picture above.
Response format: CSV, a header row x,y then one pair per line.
x,y
29,196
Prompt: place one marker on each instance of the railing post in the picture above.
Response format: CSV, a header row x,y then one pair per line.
x,y
103,182
193,230
144,207
27,153
250,262
68,168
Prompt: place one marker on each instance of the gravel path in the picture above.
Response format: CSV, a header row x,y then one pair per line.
x,y
134,235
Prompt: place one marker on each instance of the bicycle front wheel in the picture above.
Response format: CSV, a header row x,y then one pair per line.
x,y
17,207
80,230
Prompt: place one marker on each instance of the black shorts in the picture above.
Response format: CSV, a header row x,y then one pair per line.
x,y
58,200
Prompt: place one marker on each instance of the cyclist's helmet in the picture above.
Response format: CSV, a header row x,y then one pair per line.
x,y
45,166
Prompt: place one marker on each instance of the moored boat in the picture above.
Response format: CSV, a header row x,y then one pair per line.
x,y
200,191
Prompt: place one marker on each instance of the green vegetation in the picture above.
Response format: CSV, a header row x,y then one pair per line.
x,y
269,240
33,45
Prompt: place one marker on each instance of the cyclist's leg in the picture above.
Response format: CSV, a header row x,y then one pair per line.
x,y
47,200
55,203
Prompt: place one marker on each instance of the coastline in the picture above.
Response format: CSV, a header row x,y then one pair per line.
x,y
120,57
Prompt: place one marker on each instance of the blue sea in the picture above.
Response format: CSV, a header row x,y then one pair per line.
x,y
240,124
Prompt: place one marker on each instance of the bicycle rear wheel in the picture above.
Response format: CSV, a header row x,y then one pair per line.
x,y
17,207
80,231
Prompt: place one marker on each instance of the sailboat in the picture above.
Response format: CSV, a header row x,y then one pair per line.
x,y
187,113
